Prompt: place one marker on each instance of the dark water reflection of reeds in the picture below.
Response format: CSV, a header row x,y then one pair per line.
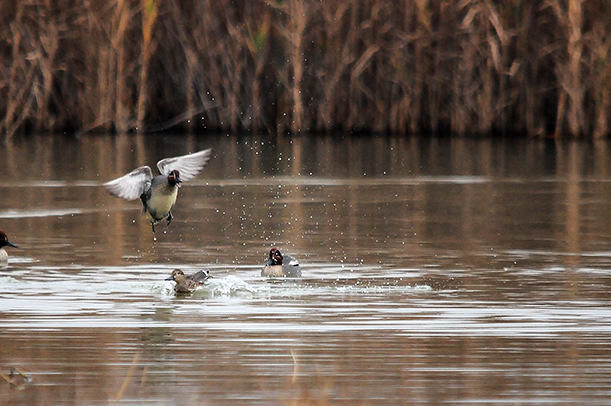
x,y
435,270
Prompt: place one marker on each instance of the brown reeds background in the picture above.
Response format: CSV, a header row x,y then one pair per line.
x,y
404,67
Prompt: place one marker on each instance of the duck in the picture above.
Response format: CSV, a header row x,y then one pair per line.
x,y
4,242
187,284
158,194
279,265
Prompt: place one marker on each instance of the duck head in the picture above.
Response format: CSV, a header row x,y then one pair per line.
x,y
174,178
175,273
4,242
275,257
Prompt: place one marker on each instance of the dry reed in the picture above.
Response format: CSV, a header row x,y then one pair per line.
x,y
403,67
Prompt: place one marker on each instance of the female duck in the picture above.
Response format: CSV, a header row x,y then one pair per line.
x,y
187,284
279,265
4,242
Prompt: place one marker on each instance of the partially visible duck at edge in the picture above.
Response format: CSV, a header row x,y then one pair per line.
x,y
4,242
158,194
187,284
279,265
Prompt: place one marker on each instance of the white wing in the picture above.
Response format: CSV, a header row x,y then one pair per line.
x,y
188,165
132,185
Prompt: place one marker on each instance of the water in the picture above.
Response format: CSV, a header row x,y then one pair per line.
x,y
436,271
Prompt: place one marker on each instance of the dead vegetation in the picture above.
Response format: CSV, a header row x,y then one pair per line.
x,y
403,67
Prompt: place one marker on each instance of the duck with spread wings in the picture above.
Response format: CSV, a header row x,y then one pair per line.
x,y
158,194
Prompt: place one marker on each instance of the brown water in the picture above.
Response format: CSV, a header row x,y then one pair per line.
x,y
435,271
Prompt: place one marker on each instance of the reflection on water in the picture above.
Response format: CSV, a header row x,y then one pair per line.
x,y
458,271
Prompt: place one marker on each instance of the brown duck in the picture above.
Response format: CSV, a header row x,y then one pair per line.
x,y
187,284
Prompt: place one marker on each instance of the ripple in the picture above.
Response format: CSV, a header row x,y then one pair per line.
x,y
15,214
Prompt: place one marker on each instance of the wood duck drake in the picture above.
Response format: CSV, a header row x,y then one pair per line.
x,y
4,242
187,284
279,265
158,194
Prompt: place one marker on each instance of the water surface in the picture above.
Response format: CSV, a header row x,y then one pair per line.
x,y
435,271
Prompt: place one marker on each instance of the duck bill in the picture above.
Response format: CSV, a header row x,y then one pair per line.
x,y
10,244
171,278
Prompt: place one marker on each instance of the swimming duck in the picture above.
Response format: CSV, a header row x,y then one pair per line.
x,y
279,265
158,194
187,284
4,242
